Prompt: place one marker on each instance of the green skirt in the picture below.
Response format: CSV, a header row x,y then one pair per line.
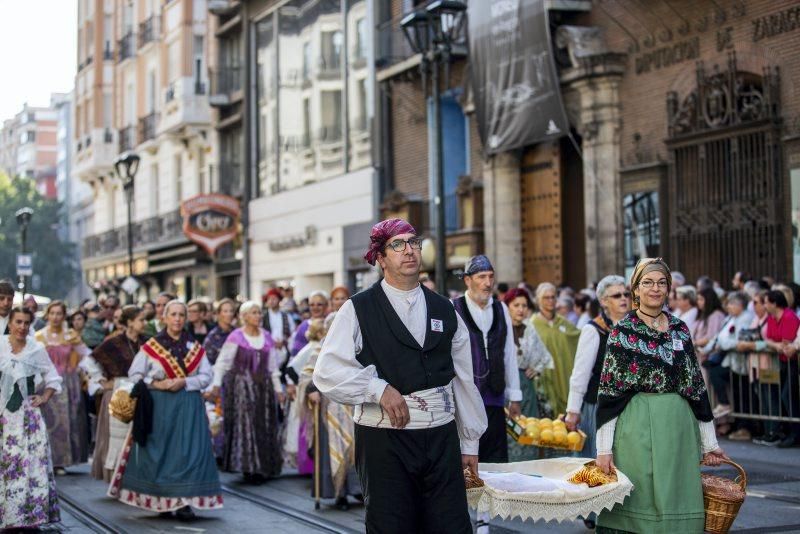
x,y
657,445
530,408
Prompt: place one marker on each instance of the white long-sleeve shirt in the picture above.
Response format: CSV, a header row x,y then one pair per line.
x,y
227,355
341,377
483,318
585,358
144,368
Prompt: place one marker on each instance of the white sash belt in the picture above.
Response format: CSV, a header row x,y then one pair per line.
x,y
428,409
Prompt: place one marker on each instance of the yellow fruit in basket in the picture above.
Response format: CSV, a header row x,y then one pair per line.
x,y
545,421
560,437
546,436
573,438
532,432
559,428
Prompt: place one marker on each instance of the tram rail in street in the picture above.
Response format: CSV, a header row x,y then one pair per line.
x,y
300,516
93,522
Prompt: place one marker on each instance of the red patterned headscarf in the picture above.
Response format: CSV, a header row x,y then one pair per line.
x,y
383,232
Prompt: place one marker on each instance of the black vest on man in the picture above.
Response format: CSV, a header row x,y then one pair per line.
x,y
389,346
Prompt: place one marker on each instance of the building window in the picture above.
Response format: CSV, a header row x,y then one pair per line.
x,y
155,185
178,166
307,61
642,232
331,53
28,137
362,39
795,222
455,152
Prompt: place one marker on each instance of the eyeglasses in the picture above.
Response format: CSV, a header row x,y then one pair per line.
x,y
648,284
399,245
615,296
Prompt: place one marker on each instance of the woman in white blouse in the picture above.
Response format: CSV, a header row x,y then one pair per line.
x,y
247,373
27,483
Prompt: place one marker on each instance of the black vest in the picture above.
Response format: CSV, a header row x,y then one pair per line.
x,y
389,346
597,369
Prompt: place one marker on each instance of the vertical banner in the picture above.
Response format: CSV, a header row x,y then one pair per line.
x,y
514,77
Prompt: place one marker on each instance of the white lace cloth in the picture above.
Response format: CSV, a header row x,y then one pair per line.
x,y
538,489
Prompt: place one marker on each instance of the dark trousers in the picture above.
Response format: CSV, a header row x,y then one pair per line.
x,y
412,480
493,446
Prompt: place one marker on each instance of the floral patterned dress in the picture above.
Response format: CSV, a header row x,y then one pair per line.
x,y
28,497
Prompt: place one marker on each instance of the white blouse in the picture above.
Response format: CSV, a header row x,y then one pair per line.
x,y
227,355
340,377
585,358
144,368
34,361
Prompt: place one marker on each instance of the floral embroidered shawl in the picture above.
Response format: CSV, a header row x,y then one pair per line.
x,y
640,359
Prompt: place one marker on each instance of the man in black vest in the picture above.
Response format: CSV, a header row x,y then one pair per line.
x,y
494,355
6,301
401,355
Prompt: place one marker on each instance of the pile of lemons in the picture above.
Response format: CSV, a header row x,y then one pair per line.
x,y
547,432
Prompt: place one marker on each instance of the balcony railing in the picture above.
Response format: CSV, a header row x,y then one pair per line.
x,y
226,80
230,178
127,138
330,66
147,127
148,30
392,45
126,47
329,134
147,232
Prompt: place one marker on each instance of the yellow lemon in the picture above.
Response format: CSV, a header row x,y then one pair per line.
x,y
545,421
546,435
531,425
559,424
573,438
560,437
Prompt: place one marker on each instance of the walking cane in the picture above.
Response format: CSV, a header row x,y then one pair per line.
x,y
316,456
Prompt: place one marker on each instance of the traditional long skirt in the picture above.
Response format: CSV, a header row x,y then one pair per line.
x,y
28,497
657,445
65,414
250,422
176,467
102,436
351,484
530,408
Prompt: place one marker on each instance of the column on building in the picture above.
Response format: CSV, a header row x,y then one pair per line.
x,y
502,215
591,93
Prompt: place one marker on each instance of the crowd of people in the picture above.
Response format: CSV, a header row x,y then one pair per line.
x,y
323,386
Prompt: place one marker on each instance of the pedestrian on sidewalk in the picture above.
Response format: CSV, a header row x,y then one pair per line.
x,y
400,350
27,483
6,301
167,464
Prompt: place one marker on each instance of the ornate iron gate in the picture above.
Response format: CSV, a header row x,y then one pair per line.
x,y
726,191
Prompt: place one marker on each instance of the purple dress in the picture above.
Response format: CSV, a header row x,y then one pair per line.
x,y
250,410
213,344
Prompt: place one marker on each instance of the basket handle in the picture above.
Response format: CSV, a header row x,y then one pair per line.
x,y
742,478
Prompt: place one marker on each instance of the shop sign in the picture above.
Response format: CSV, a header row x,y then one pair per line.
x,y
309,237
516,88
211,220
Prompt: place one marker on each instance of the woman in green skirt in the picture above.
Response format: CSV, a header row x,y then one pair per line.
x,y
654,419
532,359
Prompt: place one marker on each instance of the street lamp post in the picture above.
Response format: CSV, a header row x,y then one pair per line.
x,y
126,165
23,216
431,33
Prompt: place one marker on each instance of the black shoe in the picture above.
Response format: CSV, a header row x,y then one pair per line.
x,y
787,442
185,514
770,440
165,515
342,504
589,523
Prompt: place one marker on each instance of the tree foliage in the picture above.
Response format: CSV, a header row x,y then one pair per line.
x,y
53,260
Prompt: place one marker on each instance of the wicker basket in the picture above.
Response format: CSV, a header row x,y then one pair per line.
x,y
723,498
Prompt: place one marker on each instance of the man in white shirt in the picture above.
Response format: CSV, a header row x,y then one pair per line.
x,y
6,301
401,355
494,355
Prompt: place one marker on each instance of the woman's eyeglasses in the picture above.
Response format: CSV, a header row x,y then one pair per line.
x,y
625,294
648,284
399,245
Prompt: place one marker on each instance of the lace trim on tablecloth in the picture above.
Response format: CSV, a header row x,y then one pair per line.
x,y
548,505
